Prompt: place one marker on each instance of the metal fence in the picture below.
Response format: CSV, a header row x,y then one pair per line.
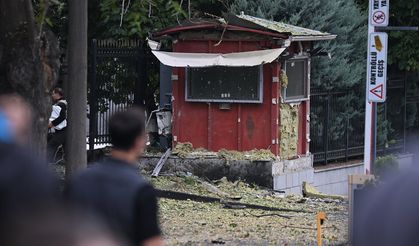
x,y
337,122
117,79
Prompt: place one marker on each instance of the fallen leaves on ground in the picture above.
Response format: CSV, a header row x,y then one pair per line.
x,y
195,223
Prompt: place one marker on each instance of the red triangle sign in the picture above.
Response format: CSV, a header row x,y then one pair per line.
x,y
378,91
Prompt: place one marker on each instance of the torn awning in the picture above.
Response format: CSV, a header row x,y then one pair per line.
x,y
240,59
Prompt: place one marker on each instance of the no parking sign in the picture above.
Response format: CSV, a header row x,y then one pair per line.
x,y
379,12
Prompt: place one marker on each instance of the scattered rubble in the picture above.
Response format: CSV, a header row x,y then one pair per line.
x,y
199,223
186,150
310,191
188,222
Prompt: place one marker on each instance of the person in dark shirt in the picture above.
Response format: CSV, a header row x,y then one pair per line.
x,y
113,188
25,181
57,225
57,124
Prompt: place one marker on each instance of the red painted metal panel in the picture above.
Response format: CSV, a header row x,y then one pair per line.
x,y
175,99
244,127
191,46
219,26
256,118
192,118
224,128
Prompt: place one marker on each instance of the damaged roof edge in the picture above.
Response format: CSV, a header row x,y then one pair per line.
x,y
297,33
251,24
312,38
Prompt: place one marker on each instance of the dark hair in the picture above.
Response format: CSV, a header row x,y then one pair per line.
x,y
59,91
125,127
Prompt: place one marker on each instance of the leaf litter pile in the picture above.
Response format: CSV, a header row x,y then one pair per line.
x,y
186,150
190,222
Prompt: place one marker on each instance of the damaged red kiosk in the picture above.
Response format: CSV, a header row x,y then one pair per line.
x,y
241,83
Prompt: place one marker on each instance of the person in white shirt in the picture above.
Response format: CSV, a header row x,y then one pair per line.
x,y
57,122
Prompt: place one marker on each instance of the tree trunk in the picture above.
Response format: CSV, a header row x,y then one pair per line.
x,y
29,64
76,154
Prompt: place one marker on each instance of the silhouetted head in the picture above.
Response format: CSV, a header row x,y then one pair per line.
x,y
127,131
57,94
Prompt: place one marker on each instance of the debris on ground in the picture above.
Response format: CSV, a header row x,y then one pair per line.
x,y
183,149
253,155
186,150
161,162
189,222
214,189
310,191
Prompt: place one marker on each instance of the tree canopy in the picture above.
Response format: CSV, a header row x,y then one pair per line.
x,y
404,46
346,67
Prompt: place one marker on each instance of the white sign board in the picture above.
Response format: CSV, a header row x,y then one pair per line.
x,y
377,67
379,12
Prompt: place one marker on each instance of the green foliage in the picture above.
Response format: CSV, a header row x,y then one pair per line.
x,y
340,17
385,164
53,15
412,111
344,71
119,77
139,19
212,7
404,46
385,131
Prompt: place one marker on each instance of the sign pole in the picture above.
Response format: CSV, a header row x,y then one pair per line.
x,y
376,83
369,123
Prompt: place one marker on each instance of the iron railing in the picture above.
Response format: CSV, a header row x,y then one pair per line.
x,y
117,79
337,123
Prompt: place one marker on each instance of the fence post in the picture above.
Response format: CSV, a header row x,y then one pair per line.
x,y
93,97
347,139
326,129
404,111
141,81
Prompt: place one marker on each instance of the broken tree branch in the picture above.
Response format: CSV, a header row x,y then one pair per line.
x,y
175,195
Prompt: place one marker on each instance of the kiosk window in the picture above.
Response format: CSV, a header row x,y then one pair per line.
x,y
224,84
297,73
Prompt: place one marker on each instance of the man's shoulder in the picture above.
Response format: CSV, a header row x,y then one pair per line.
x,y
20,168
105,170
20,156
61,103
91,170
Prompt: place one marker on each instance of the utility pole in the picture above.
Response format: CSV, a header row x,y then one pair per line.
x,y
76,153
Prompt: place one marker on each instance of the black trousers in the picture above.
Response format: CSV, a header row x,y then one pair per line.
x,y
54,141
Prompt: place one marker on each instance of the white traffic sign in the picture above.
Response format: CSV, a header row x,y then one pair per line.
x,y
379,12
377,67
